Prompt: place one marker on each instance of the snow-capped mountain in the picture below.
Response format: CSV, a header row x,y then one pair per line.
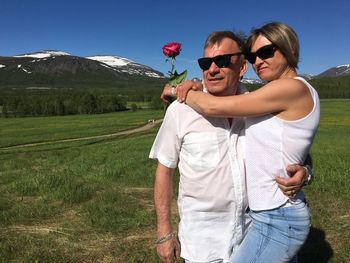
x,y
114,63
337,71
60,69
127,66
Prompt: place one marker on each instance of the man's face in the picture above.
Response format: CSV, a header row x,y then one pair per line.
x,y
224,81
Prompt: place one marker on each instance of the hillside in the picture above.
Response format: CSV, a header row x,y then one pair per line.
x,y
55,69
332,87
338,71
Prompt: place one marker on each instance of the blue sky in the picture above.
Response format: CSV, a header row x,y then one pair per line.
x,y
138,29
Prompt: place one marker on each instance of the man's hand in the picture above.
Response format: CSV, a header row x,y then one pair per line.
x,y
168,250
167,94
298,177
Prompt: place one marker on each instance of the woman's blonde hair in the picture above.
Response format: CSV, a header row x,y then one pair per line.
x,y
282,36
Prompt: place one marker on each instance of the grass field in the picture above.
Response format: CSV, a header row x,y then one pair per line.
x,y
92,201
14,131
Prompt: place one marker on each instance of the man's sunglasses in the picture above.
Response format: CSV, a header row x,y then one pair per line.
x,y
222,61
264,52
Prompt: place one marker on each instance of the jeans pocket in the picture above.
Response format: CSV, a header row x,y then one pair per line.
x,y
298,234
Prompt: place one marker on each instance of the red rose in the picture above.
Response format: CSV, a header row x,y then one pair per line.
x,y
172,49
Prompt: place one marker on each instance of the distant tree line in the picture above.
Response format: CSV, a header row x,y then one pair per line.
x,y
332,88
53,102
327,88
50,103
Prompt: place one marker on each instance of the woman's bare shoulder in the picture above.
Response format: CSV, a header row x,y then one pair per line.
x,y
287,84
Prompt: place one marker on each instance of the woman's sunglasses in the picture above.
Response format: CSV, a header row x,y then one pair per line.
x,y
222,61
264,52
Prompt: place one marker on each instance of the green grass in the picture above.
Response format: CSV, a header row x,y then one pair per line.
x,y
14,131
80,203
92,201
329,194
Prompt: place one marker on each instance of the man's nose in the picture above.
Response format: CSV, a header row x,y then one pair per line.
x,y
213,68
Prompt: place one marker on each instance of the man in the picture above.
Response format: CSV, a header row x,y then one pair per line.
x,y
209,152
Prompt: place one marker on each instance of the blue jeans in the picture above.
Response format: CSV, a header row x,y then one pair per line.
x,y
275,235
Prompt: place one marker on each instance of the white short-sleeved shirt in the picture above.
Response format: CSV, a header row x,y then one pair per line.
x,y
212,196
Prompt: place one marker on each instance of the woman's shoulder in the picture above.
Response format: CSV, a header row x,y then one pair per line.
x,y
286,88
288,81
289,84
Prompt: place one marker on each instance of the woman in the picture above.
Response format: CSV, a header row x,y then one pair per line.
x,y
282,119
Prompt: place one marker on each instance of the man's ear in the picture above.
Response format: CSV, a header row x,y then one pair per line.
x,y
244,68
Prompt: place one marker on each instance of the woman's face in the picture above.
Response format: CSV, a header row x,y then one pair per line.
x,y
271,68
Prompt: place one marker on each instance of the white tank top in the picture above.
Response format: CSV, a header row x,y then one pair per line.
x,y
272,144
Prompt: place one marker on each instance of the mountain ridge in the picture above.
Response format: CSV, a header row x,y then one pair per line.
x,y
117,63
337,71
53,67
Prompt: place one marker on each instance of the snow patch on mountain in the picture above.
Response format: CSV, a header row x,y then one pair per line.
x,y
2,66
44,54
26,71
251,81
113,61
345,66
154,75
126,66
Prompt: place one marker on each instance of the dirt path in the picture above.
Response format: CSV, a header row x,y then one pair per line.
x,y
148,126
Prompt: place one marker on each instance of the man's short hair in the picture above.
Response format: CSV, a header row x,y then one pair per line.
x,y
217,36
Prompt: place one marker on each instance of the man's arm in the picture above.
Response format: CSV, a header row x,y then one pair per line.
x,y
299,177
163,193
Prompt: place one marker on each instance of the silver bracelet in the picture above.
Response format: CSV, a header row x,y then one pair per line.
x,y
165,238
309,174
